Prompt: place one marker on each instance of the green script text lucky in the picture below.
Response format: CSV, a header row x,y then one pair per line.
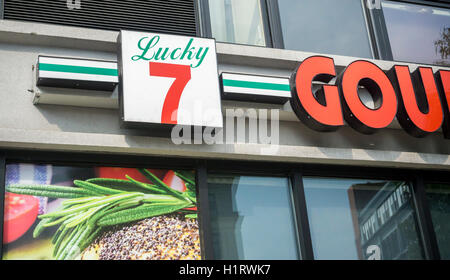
x,y
150,51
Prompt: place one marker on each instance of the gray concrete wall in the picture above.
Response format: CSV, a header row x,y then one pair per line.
x,y
24,125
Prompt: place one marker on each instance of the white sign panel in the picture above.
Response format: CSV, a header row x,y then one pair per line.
x,y
168,79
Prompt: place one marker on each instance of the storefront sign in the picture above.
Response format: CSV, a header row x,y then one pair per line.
x,y
420,100
76,73
255,88
167,79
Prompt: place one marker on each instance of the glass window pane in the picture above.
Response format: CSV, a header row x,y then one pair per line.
x,y
325,26
362,219
418,33
237,21
439,200
252,217
91,213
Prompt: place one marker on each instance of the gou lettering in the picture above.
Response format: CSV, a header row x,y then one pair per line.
x,y
420,100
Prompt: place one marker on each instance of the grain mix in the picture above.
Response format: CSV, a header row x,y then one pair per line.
x,y
167,237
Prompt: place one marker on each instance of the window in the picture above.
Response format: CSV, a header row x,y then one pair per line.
x,y
244,215
382,29
252,217
362,219
325,26
418,33
99,212
237,21
439,200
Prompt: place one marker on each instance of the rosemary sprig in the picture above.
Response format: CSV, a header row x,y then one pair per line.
x,y
161,184
97,203
49,191
140,212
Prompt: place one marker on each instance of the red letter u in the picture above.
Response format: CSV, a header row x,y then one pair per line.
x,y
420,111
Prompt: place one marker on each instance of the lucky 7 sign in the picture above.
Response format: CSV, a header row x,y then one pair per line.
x,y
167,79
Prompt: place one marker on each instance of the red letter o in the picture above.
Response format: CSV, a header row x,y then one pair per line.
x,y
358,115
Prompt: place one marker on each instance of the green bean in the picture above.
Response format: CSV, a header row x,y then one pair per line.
x,y
52,188
139,213
160,183
117,184
95,203
73,247
57,221
90,239
146,186
96,188
152,198
184,176
84,216
62,239
40,227
56,235
72,238
80,200
76,193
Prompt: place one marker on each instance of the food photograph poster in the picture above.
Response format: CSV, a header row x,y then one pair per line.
x,y
99,213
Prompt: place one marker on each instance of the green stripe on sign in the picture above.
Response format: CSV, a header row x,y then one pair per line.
x,y
77,69
255,85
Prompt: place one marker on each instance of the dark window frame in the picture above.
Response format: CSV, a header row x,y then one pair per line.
x,y
205,22
431,179
295,171
424,219
2,198
2,9
204,19
378,33
198,19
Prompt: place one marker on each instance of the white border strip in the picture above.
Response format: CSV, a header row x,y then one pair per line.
x,y
78,62
78,77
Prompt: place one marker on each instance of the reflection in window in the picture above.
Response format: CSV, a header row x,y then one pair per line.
x,y
362,219
325,26
252,217
418,33
439,200
237,21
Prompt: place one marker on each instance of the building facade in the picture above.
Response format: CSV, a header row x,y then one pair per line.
x,y
300,191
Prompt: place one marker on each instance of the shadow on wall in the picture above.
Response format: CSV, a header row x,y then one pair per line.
x,y
87,120
434,159
297,134
106,121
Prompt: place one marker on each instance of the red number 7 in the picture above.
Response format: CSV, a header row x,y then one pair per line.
x,y
182,75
